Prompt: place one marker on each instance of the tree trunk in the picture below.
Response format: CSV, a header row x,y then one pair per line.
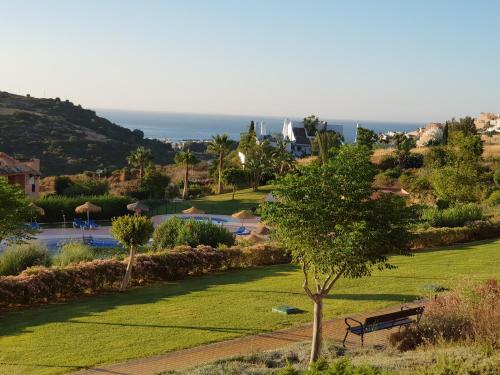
x,y
317,329
128,273
186,179
234,191
221,159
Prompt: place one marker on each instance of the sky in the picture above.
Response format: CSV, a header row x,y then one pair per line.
x,y
374,60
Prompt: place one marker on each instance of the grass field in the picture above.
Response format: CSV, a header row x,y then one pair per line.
x,y
171,316
223,204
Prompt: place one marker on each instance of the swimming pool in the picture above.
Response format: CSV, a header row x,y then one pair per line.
x,y
216,220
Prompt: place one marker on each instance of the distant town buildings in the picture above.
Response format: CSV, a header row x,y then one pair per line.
x,y
26,174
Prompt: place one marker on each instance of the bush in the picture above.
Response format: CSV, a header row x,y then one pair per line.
x,y
42,284
53,205
73,252
493,199
496,177
387,162
175,231
470,314
456,216
87,187
414,160
18,257
435,237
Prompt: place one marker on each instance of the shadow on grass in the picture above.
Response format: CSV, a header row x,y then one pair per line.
x,y
374,297
458,246
20,322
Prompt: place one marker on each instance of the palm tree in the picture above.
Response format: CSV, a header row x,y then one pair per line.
x,y
220,146
140,158
282,159
186,158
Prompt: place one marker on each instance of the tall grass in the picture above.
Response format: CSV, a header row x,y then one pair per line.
x,y
456,216
72,253
17,257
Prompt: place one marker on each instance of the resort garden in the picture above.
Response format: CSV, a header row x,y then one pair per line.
x,y
341,234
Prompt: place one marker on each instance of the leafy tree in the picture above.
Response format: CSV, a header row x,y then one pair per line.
x,y
15,211
140,158
258,163
403,144
326,142
325,216
282,160
366,137
464,125
236,177
139,133
155,183
186,158
311,124
251,127
131,232
61,183
220,146
248,141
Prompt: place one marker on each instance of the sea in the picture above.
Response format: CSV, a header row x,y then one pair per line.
x,y
188,126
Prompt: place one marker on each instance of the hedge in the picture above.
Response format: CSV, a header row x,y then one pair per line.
x,y
43,285
435,237
111,205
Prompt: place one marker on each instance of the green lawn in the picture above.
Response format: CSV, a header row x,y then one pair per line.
x,y
151,320
223,204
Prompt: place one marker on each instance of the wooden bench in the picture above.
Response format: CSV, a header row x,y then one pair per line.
x,y
386,321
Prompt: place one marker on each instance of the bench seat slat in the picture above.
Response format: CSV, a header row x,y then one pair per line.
x,y
357,330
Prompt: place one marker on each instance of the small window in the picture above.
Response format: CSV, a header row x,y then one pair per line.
x,y
33,188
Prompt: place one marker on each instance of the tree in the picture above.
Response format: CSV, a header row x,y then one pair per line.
x,y
403,144
366,137
325,216
236,177
251,127
155,183
326,142
258,163
220,146
282,160
140,158
15,211
131,232
186,158
311,124
464,125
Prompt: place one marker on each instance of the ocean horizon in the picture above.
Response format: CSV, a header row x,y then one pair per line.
x,y
190,126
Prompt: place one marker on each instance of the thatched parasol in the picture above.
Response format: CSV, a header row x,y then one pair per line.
x,y
243,215
88,207
261,229
137,207
253,237
193,210
37,210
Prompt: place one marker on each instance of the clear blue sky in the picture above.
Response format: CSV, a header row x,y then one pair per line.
x,y
373,60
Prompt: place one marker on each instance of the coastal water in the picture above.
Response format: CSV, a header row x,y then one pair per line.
x,y
183,126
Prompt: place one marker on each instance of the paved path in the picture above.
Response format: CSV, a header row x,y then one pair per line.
x,y
185,359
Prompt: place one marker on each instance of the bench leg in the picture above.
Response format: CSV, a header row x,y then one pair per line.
x,y
345,337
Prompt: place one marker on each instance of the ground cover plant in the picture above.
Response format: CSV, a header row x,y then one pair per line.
x,y
17,257
55,338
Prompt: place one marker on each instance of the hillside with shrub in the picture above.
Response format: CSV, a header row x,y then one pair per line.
x,y
68,138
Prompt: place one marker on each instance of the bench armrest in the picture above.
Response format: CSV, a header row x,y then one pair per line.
x,y
354,320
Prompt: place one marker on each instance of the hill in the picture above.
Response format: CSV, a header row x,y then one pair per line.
x,y
67,138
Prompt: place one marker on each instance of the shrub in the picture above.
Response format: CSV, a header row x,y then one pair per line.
x,y
73,252
496,177
40,284
191,232
493,199
456,216
165,234
18,257
87,187
469,314
387,162
435,237
414,160
111,206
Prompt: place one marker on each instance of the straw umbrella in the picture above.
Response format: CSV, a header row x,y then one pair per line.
x,y
36,210
243,215
193,210
88,207
137,207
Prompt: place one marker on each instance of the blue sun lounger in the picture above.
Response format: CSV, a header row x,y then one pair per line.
x,y
242,231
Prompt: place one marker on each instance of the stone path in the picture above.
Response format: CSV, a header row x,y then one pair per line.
x,y
185,359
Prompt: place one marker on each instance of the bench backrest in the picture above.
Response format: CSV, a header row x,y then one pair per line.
x,y
393,316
